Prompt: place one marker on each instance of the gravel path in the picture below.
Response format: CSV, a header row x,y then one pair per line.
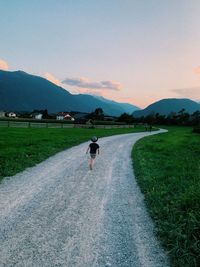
x,y
59,213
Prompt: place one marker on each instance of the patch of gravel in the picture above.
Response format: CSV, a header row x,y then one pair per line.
x,y
59,213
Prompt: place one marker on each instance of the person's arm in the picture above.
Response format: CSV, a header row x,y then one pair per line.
x,y
87,149
98,151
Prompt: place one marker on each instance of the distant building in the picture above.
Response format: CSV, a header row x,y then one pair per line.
x,y
90,122
64,116
12,115
2,114
37,115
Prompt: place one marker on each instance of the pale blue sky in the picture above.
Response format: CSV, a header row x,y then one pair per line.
x,y
150,48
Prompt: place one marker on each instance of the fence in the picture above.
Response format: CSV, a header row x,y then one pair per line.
x,y
24,124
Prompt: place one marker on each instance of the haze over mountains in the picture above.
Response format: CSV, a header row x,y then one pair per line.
x,y
166,106
20,91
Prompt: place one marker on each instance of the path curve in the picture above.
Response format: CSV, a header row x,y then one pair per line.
x,y
59,213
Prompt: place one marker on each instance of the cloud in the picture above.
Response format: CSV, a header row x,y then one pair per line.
x,y
3,65
193,92
51,78
197,70
85,83
86,91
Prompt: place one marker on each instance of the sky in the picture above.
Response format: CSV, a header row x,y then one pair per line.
x,y
133,51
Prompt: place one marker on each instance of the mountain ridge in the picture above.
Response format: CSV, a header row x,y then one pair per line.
x,y
23,91
126,107
168,105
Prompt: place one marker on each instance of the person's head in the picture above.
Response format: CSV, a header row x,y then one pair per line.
x,y
94,139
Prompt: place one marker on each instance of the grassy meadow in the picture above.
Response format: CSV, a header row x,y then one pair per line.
x,y
167,168
24,147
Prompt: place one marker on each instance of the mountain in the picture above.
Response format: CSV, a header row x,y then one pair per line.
x,y
125,107
20,91
166,106
93,102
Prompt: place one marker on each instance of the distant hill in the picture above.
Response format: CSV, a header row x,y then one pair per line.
x,y
166,106
20,91
125,107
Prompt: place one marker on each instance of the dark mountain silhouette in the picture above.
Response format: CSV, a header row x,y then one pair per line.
x,y
166,106
20,91
125,107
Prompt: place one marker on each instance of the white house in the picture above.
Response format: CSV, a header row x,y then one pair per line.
x,y
64,116
12,115
36,115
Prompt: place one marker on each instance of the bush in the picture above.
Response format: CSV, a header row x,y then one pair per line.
x,y
196,129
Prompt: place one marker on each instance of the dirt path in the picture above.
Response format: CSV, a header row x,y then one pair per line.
x,y
59,213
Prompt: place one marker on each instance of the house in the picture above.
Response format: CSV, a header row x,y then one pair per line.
x,y
64,116
12,115
37,115
2,114
90,122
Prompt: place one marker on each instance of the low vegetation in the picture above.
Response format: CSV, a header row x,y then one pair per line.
x,y
21,148
167,167
196,129
181,118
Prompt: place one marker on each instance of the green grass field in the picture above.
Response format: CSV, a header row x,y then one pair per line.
x,y
167,167
24,147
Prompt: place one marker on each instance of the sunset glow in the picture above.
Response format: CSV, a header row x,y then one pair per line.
x,y
3,65
52,79
129,51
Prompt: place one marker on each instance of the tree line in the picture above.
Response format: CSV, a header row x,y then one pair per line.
x,y
174,118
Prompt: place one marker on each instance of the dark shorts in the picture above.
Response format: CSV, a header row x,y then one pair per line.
x,y
93,156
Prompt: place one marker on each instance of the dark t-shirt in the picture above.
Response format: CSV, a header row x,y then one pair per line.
x,y
93,148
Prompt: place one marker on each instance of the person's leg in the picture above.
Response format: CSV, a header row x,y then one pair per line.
x,y
91,163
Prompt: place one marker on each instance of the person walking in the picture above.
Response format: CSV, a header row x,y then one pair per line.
x,y
94,149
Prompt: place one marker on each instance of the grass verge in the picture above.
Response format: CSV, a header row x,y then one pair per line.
x,y
167,167
24,147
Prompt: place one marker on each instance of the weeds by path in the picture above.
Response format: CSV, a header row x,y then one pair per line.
x,y
167,168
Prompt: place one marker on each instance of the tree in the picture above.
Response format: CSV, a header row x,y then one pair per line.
x,y
172,118
127,118
195,118
183,117
98,114
45,114
150,119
